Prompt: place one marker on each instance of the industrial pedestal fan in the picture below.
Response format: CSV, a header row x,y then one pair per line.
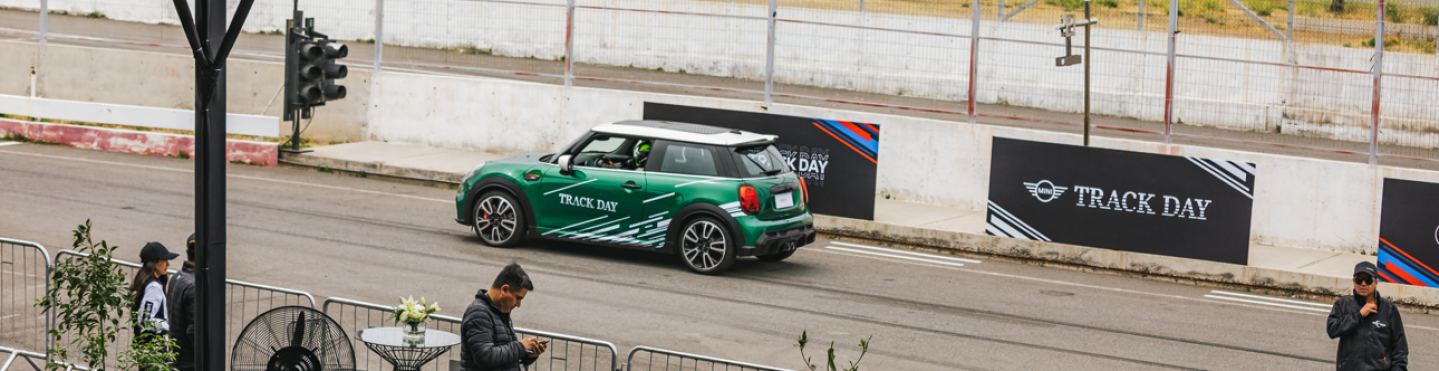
x,y
293,338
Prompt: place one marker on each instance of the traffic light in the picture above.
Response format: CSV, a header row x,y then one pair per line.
x,y
310,68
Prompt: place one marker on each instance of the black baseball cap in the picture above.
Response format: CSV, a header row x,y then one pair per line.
x,y
156,251
190,242
1366,268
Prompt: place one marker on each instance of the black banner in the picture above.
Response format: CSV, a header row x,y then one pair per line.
x,y
1178,206
837,159
1409,233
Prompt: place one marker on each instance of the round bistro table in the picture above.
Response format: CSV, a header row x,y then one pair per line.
x,y
389,344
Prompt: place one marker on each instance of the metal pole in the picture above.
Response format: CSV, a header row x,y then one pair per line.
x,y
570,43
1169,76
1289,31
40,52
973,56
1087,62
379,35
210,189
769,55
1141,16
1378,75
861,6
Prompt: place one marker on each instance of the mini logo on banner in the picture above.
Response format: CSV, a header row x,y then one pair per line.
x,y
1044,190
1436,235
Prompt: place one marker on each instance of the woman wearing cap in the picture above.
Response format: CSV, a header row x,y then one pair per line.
x,y
147,291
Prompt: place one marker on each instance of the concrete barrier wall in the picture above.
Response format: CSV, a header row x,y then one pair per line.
x,y
167,80
1217,93
1299,202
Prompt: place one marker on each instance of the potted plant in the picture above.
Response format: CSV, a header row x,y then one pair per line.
x,y
414,315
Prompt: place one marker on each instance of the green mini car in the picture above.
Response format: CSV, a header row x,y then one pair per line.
x,y
705,194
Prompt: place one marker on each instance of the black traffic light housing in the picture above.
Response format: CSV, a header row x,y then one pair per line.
x,y
310,71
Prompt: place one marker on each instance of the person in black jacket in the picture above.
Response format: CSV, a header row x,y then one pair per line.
x,y
1370,332
182,310
488,335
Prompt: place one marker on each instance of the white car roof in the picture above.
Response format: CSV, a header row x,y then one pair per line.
x,y
684,132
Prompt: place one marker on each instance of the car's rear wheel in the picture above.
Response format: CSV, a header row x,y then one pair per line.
x,y
706,247
498,220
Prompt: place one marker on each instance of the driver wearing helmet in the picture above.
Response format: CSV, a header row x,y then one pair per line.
x,y
642,154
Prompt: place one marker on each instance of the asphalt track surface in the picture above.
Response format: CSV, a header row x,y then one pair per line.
x,y
373,240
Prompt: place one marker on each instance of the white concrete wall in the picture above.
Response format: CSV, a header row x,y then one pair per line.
x,y
1298,202
1207,92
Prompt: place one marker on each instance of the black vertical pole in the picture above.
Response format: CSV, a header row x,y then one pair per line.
x,y
210,188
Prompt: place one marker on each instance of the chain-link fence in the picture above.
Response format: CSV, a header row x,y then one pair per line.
x,y
1314,74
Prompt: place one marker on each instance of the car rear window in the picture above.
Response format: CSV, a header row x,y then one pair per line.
x,y
689,159
759,161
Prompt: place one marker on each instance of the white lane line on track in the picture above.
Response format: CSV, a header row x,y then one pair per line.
x,y
231,176
1274,299
1067,283
905,252
2,144
1263,302
856,251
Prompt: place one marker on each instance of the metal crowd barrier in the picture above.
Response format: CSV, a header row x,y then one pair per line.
x,y
24,277
680,361
245,301
566,353
31,357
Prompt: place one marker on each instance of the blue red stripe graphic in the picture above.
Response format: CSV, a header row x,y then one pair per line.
x,y
858,136
1397,266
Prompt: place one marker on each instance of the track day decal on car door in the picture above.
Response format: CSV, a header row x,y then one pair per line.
x,y
648,232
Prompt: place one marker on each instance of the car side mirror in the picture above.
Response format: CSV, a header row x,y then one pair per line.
x,y
566,164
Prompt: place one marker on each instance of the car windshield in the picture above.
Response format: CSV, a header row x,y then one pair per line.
x,y
761,160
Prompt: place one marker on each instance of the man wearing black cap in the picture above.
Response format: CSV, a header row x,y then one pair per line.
x,y
1370,332
182,310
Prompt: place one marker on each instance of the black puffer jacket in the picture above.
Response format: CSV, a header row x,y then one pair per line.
x,y
489,339
1373,342
182,316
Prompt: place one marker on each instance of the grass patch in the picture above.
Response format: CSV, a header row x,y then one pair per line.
x,y
1265,8
1066,4
1108,3
182,155
95,15
13,137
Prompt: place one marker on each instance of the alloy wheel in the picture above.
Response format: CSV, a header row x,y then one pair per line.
x,y
495,220
703,245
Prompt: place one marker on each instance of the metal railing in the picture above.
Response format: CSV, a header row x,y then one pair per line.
x,y
681,361
24,277
566,352
31,357
244,300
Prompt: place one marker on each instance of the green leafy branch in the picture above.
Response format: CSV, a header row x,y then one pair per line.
x,y
831,366
97,300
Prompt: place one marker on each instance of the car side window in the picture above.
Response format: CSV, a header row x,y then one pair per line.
x,y
685,158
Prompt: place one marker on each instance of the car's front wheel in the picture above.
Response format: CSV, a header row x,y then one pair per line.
x,y
706,247
498,219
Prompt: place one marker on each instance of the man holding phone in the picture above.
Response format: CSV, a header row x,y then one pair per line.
x,y
1370,332
490,343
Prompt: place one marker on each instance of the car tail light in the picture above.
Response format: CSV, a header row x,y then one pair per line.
x,y
805,188
748,199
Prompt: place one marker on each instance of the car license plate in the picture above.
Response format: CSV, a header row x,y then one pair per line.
x,y
784,200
